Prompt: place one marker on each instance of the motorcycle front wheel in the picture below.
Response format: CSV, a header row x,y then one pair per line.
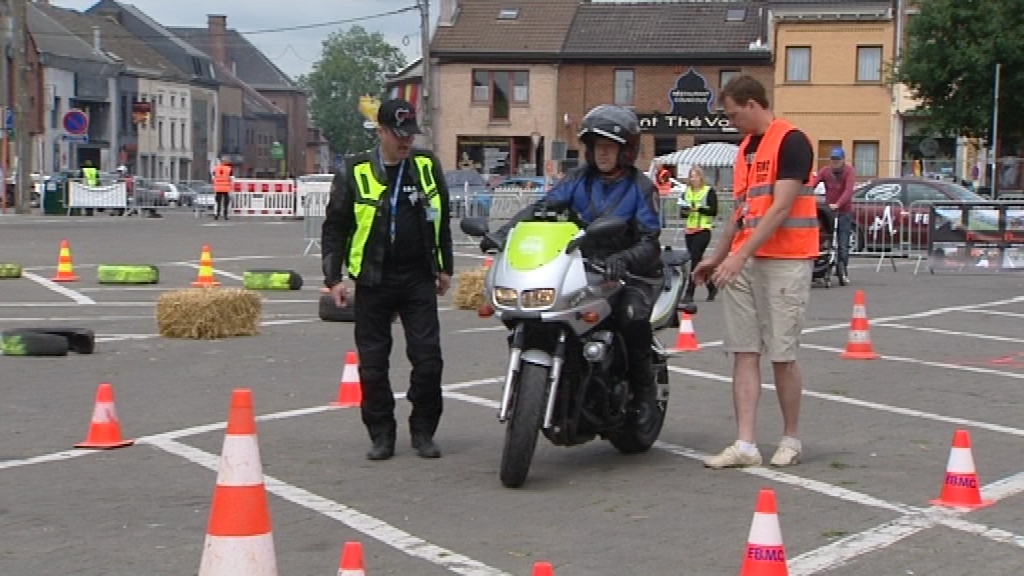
x,y
524,425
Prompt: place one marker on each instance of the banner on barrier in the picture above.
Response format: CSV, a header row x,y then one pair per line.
x,y
976,237
110,196
264,186
257,197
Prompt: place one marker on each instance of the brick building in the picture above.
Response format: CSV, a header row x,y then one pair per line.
x,y
667,62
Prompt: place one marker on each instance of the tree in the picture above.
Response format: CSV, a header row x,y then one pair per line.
x,y
352,64
949,64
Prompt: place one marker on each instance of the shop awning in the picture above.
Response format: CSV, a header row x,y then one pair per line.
x,y
710,155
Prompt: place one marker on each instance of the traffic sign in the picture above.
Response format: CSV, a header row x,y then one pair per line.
x,y
75,138
76,122
8,118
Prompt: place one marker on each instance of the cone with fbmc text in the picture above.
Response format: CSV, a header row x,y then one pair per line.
x,y
686,340
104,429
858,344
765,554
205,277
960,488
352,560
238,535
65,267
350,391
543,569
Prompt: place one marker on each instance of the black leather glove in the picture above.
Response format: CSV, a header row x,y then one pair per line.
x,y
616,266
487,243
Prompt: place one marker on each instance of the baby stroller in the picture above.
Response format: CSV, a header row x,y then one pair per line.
x,y
825,263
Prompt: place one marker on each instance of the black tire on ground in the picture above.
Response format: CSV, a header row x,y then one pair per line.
x,y
331,313
80,340
21,342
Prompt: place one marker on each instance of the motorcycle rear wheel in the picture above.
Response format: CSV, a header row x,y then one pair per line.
x,y
524,425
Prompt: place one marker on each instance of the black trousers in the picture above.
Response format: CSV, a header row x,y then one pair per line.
x,y
632,316
414,297
222,202
696,244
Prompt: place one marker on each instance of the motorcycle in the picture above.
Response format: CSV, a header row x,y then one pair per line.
x,y
566,374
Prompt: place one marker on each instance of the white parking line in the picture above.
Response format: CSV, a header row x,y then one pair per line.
x,y
973,335
941,365
997,313
869,405
216,271
78,297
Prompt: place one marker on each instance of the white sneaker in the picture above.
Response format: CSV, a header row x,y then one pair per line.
x,y
788,454
733,457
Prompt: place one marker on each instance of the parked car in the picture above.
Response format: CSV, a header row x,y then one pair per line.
x,y
467,190
890,212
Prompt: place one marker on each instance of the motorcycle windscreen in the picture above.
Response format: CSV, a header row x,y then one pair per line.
x,y
534,244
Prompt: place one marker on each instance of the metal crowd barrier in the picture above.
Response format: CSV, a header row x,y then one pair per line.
x,y
314,210
972,237
112,196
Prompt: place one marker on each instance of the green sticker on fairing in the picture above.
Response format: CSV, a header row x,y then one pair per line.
x,y
534,244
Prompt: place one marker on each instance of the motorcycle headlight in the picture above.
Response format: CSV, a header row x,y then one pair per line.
x,y
505,296
540,298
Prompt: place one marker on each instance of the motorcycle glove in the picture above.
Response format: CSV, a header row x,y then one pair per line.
x,y
487,243
616,266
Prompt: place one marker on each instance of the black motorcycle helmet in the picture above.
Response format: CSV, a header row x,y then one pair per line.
x,y
615,123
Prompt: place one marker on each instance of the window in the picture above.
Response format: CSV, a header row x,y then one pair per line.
x,y
917,192
173,98
500,89
735,14
183,144
664,145
624,87
160,135
865,159
825,150
798,64
508,14
172,135
869,64
725,75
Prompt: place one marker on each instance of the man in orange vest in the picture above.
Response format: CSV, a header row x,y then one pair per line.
x,y
764,263
221,188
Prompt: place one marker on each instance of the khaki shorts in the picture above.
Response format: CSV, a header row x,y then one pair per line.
x,y
765,306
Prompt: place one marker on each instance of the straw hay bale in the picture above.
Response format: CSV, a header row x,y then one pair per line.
x,y
469,289
209,313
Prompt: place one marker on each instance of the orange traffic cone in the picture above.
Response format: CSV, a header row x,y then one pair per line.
x,y
65,267
352,560
858,344
686,340
238,536
350,391
960,488
205,277
543,569
765,555
487,262
104,429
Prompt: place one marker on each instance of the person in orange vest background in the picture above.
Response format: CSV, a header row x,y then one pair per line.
x,y
764,264
221,188
663,182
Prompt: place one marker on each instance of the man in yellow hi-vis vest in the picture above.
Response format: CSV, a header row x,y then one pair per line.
x,y
387,223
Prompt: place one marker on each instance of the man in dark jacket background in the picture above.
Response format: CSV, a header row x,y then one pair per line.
x,y
387,223
838,179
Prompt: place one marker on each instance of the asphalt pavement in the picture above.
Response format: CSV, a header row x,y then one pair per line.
x,y
876,434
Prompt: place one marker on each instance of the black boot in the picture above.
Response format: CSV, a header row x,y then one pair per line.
x,y
645,389
424,445
383,444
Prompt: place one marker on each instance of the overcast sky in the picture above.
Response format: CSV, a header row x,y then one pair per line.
x,y
292,51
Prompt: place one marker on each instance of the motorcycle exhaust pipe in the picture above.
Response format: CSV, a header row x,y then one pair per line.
x,y
515,352
556,372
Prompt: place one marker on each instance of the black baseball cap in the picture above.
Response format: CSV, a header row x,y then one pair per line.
x,y
399,116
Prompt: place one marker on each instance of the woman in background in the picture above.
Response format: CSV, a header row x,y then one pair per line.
x,y
698,206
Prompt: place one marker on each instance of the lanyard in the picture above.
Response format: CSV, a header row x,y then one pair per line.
x,y
394,193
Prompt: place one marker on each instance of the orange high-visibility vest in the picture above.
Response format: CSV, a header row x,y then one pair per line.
x,y
222,179
753,192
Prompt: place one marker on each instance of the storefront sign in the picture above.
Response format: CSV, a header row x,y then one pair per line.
x,y
691,110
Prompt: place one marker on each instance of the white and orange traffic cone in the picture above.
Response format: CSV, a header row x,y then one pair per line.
x,y
350,390
205,277
104,428
765,554
352,560
686,340
858,344
960,488
65,267
239,539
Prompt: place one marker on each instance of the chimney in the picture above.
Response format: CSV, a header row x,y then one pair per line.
x,y
446,12
96,44
217,28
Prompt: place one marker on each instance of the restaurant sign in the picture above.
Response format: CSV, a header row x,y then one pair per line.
x,y
691,111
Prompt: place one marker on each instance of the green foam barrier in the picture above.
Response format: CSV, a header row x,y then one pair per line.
x,y
127,274
271,280
10,270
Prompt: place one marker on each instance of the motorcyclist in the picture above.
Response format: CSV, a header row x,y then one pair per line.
x,y
609,184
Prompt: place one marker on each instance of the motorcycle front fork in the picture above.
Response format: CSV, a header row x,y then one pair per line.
x,y
515,357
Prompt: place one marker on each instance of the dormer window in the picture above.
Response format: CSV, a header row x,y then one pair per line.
x,y
508,14
736,15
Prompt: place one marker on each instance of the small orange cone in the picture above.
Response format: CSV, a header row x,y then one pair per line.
x,y
238,536
487,262
205,277
65,267
543,569
686,340
350,391
858,344
960,489
104,429
352,560
765,554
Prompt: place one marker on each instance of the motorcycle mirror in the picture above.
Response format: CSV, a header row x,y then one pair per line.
x,y
606,227
474,226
